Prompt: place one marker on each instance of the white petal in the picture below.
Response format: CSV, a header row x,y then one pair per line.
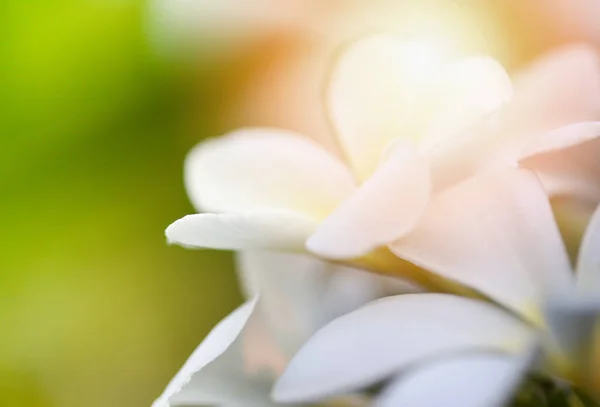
x,y
588,262
388,335
475,380
376,95
299,293
560,89
230,368
568,160
384,208
469,90
262,170
495,233
232,231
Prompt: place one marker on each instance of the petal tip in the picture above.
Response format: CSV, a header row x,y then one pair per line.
x,y
323,245
285,391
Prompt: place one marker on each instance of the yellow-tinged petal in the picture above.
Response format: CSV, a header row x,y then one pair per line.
x,y
377,94
495,233
259,170
384,208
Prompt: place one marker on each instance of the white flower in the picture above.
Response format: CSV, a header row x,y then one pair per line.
x,y
496,233
410,122
291,297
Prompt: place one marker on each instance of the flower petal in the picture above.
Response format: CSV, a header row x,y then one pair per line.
x,y
567,161
388,335
495,233
374,91
559,89
475,380
469,90
220,371
572,321
299,294
232,231
383,209
265,169
562,138
588,262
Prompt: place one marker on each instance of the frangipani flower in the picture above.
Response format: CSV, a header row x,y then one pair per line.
x,y
503,242
411,121
290,297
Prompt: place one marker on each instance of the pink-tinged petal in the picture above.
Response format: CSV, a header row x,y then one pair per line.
x,y
263,170
384,208
495,233
469,90
389,335
233,366
377,94
588,263
560,89
277,230
474,380
562,138
568,161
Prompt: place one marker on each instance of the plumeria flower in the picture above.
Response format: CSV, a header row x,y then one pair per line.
x,y
495,233
290,297
411,121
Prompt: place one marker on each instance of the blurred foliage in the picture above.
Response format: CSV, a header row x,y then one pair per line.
x,y
539,391
95,309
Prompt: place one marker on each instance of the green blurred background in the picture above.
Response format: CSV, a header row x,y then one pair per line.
x,y
95,308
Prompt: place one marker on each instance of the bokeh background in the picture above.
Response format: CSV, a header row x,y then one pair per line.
x,y
99,102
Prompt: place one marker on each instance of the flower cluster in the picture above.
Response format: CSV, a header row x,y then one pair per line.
x,y
440,187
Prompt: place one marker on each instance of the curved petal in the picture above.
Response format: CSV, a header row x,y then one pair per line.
x,y
225,368
559,89
475,380
495,233
469,90
374,91
388,335
265,169
383,209
299,294
232,231
588,262
567,161
564,137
